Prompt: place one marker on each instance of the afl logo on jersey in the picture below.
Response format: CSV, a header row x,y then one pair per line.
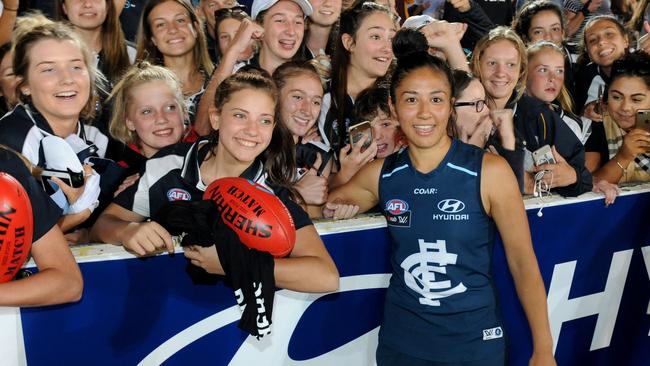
x,y
396,207
397,213
177,194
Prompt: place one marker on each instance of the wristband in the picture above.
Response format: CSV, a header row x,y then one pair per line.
x,y
7,9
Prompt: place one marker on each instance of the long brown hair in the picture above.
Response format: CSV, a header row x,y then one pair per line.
x,y
115,58
279,156
349,23
147,51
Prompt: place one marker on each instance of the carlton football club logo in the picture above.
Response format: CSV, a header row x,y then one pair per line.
x,y
425,272
398,213
177,194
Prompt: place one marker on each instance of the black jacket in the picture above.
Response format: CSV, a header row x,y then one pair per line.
x,y
478,23
537,125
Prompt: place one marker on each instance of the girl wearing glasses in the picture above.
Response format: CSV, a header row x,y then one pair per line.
x,y
618,151
500,62
440,297
475,124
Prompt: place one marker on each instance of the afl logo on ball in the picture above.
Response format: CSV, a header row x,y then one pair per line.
x,y
177,194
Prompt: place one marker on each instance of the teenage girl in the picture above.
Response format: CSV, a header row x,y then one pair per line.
x,y
617,151
301,95
171,35
604,41
56,91
249,143
148,114
500,62
58,279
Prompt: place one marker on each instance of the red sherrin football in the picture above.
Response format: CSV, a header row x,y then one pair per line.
x,y
16,226
258,217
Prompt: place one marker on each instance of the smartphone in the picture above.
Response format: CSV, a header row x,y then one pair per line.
x,y
599,102
643,119
72,179
361,131
543,155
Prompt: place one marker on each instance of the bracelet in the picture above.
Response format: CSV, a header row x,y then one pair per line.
x,y
622,168
620,165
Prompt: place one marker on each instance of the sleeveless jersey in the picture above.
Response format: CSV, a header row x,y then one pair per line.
x,y
440,304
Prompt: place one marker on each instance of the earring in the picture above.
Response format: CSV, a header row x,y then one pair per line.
x,y
26,92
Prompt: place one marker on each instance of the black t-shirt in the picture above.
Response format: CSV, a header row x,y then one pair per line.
x,y
46,213
173,174
597,142
587,79
130,18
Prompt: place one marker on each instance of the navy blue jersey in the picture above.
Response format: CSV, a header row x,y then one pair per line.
x,y
440,303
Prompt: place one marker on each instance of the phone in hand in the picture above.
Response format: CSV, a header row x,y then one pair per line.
x,y
361,131
643,119
598,108
543,155
74,180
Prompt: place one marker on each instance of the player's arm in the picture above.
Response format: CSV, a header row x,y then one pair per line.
x,y
362,190
502,200
58,279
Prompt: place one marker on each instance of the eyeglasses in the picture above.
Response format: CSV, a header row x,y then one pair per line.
x,y
480,104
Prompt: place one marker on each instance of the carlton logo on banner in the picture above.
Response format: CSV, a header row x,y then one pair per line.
x,y
595,262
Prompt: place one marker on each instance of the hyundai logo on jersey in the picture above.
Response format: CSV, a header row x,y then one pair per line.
x,y
451,208
397,213
451,205
177,194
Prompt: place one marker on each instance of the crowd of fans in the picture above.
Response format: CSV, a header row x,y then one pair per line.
x,y
169,94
